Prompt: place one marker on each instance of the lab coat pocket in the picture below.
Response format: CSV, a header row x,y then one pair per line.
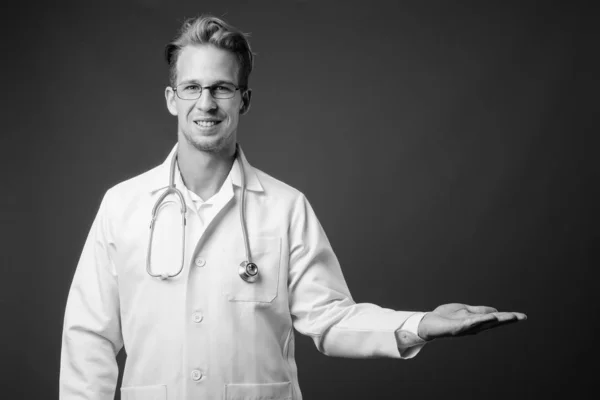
x,y
259,391
265,253
153,392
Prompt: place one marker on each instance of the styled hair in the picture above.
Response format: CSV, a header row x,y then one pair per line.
x,y
207,29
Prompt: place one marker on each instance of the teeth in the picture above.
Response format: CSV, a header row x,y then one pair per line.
x,y
206,124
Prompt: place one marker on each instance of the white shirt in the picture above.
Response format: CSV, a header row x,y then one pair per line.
x,y
206,333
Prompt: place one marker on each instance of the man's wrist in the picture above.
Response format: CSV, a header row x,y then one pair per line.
x,y
411,326
422,330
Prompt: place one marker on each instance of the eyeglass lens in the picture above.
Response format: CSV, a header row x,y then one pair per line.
x,y
192,91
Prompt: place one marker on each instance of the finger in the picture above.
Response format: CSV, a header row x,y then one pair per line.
x,y
488,323
481,309
483,322
478,320
500,320
510,316
505,316
478,324
517,315
492,325
520,316
483,326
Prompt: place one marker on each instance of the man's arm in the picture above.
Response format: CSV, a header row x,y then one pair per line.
x,y
92,329
322,307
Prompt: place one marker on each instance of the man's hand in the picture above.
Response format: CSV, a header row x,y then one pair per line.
x,y
450,320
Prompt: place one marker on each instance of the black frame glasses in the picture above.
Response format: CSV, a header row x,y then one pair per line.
x,y
193,91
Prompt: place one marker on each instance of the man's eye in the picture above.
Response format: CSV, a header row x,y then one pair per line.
x,y
223,89
191,88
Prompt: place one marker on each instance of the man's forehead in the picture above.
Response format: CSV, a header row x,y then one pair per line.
x,y
207,63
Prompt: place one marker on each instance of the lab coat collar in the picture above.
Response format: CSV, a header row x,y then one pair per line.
x,y
252,181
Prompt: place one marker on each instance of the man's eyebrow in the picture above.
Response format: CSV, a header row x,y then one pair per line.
x,y
218,82
223,81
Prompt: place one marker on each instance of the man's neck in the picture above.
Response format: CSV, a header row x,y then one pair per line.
x,y
204,172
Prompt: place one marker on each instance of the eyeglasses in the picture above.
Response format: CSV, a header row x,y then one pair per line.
x,y
193,91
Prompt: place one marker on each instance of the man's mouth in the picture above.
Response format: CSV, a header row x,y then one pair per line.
x,y
207,123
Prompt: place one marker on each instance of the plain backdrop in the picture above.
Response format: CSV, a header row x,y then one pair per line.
x,y
446,148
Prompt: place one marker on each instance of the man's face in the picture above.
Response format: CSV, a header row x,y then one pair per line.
x,y
208,124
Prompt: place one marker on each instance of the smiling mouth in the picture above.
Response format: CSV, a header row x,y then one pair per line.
x,y
207,124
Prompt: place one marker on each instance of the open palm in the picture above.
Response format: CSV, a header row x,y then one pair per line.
x,y
455,319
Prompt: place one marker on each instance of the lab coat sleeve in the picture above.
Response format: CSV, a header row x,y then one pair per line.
x,y
321,304
91,335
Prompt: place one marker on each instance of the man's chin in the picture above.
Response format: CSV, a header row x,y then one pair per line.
x,y
210,144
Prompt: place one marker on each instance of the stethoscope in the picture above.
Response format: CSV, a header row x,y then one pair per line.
x,y
248,270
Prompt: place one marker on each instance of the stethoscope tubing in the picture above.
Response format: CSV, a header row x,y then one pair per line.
x,y
248,271
171,189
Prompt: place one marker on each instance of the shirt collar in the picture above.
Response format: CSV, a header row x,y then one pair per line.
x,y
252,182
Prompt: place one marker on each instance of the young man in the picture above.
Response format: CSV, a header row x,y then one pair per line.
x,y
202,266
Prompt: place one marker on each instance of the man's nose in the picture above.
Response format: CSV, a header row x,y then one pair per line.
x,y
206,102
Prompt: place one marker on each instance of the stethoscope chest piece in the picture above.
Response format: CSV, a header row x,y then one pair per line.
x,y
248,271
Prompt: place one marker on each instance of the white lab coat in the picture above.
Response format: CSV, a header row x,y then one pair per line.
x,y
207,334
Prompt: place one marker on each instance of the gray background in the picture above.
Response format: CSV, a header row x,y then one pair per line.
x,y
445,146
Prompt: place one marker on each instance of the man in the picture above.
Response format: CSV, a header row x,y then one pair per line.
x,y
205,296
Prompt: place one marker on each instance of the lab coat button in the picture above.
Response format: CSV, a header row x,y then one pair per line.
x,y
200,262
196,375
197,317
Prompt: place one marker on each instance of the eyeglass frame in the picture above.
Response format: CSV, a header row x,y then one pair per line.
x,y
210,87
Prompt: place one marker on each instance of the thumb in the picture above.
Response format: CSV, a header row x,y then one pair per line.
x,y
481,309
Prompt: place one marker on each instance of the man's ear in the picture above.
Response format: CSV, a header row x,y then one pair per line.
x,y
246,97
171,100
